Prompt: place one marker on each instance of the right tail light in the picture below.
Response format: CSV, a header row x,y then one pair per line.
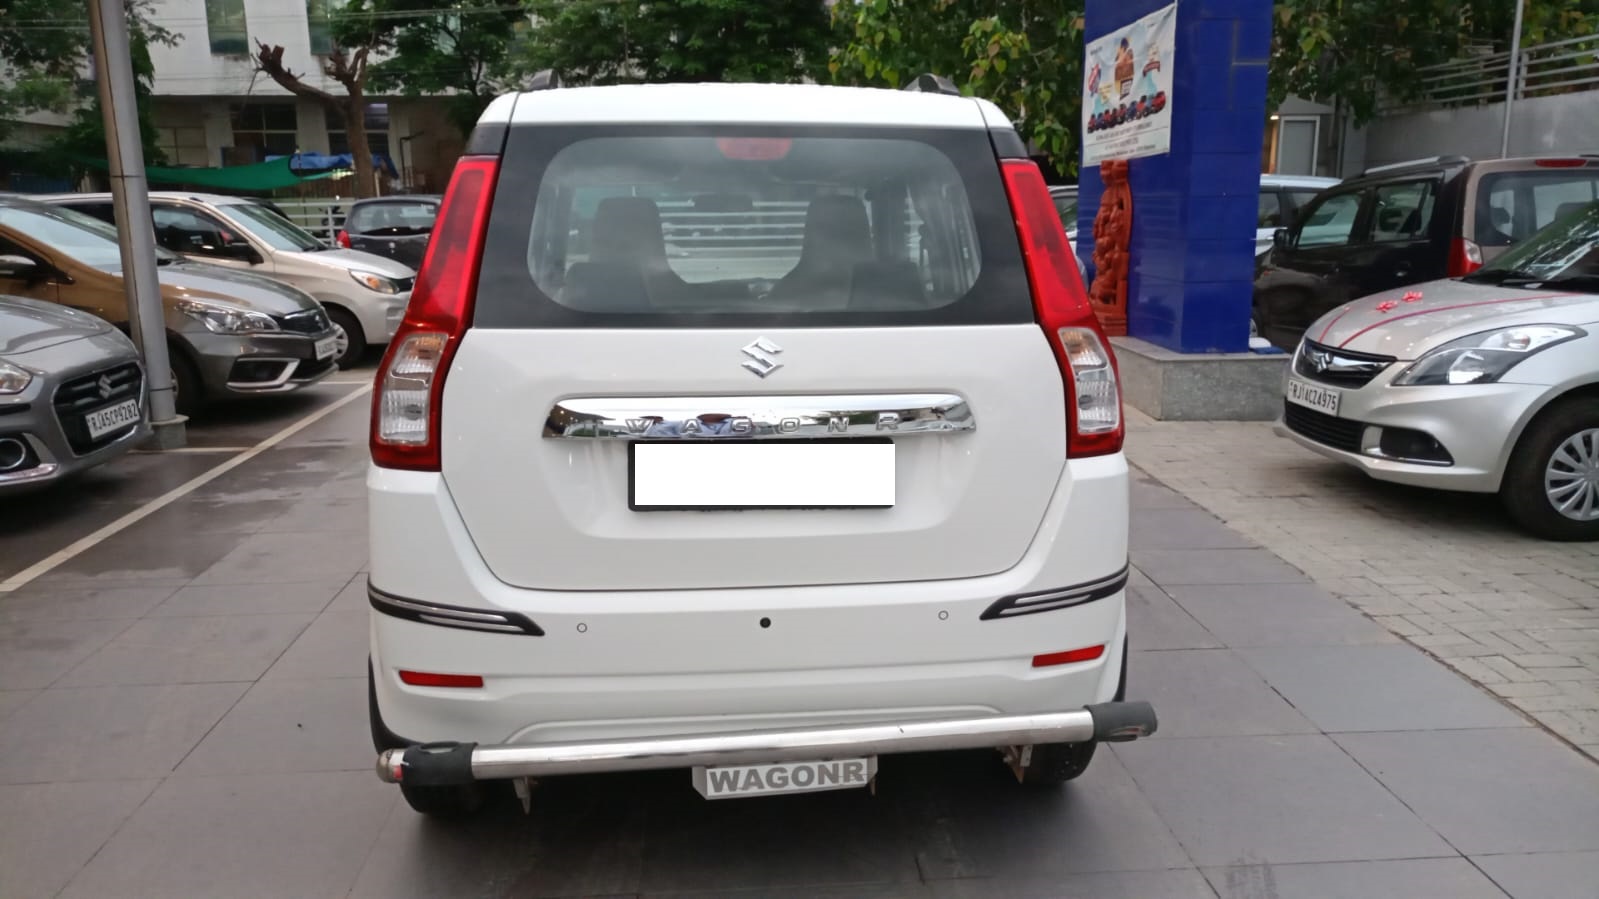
x,y
343,239
1094,424
1465,257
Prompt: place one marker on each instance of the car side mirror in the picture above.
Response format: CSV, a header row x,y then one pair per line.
x,y
1282,239
20,268
242,251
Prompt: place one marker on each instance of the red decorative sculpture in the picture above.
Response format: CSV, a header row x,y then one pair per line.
x,y
1113,231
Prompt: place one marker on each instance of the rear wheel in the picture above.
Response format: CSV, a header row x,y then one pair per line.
x,y
188,394
1056,763
351,339
1551,487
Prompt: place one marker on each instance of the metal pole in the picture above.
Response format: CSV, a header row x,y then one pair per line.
x,y
1515,78
113,62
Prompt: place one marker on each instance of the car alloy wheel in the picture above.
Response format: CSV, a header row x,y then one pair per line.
x,y
1571,479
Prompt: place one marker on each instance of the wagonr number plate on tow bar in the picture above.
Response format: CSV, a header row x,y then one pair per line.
x,y
809,474
734,781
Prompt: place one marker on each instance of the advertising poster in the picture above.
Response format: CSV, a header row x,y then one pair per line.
x,y
1127,90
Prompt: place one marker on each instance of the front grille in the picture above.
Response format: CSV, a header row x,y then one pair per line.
x,y
311,321
80,396
1330,365
1329,430
404,284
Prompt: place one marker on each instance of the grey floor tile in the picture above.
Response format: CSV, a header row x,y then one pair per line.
x,y
1147,493
1247,615
974,820
320,513
352,598
109,732
1417,878
11,700
274,835
215,516
1369,688
251,599
60,601
1182,529
48,832
276,558
190,650
37,653
1173,567
1274,800
1155,622
289,725
139,555
1173,884
902,890
1546,875
1210,693
1489,791
335,645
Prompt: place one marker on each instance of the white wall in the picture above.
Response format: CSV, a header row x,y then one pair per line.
x,y
190,69
1568,123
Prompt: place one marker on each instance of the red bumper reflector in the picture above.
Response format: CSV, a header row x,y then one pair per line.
x,y
427,679
1086,654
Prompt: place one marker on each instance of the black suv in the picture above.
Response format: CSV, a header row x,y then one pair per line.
x,y
1409,223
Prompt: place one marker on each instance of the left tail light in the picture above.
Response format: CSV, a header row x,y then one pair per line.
x,y
1465,257
343,239
406,404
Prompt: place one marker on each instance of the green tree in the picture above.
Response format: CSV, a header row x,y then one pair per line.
x,y
622,41
464,54
1024,55
348,68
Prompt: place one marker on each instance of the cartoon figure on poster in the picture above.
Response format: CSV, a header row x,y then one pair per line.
x,y
1127,90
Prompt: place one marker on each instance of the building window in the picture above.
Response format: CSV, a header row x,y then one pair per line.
x,y
224,22
265,129
183,146
377,131
319,24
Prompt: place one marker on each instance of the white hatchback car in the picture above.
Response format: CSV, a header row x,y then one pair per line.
x,y
761,508
1487,383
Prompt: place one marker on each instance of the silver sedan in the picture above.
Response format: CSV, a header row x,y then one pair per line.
x,y
72,393
1487,383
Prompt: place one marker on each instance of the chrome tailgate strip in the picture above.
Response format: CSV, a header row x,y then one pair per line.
x,y
758,417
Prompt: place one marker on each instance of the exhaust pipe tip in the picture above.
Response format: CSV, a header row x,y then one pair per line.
x,y
13,454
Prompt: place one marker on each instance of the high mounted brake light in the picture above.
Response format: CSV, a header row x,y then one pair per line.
x,y
763,149
1088,367
410,382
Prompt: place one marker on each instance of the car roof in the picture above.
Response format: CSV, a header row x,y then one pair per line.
x,y
786,104
1296,181
212,199
398,198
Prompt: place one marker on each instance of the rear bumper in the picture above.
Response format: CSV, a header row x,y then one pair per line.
x,y
456,763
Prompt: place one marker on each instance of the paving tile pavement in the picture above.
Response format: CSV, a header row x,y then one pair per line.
x,y
1447,573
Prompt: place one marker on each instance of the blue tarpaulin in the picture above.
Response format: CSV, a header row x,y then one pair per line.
x,y
321,162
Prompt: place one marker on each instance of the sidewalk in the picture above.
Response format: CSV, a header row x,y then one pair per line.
x,y
1447,572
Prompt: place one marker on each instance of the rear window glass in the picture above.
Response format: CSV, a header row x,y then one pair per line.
x,y
392,218
670,227
1512,206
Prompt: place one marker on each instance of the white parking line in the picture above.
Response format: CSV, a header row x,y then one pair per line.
x,y
192,450
50,562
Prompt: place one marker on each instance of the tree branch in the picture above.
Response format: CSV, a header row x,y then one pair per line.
x,y
269,59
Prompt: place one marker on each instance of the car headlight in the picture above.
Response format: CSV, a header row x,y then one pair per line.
x,y
227,319
1484,358
13,378
375,281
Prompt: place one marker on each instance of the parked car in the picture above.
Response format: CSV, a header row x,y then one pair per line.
x,y
364,294
72,393
1281,198
396,227
1487,383
1407,224
230,333
766,527
1065,198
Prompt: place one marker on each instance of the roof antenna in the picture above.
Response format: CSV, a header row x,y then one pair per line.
x,y
544,80
929,83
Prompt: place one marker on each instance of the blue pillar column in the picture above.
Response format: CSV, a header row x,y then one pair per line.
x,y
1194,209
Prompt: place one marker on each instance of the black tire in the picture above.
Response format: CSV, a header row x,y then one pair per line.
x,y
1524,492
355,338
456,801
1057,763
188,393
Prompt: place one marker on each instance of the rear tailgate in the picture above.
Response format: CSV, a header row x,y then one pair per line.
x,y
686,279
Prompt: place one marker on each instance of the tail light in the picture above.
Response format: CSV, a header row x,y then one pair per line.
x,y
343,238
410,382
1087,365
1465,257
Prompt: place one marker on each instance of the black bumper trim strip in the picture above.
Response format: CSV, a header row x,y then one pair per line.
x,y
459,617
1059,598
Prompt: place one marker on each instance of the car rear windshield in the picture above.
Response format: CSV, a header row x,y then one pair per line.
x,y
1513,206
392,218
676,227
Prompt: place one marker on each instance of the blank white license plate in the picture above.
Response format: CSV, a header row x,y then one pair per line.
x,y
734,781
798,475
112,418
326,347
1322,399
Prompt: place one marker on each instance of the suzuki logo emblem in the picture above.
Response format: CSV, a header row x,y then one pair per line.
x,y
760,355
106,387
1319,360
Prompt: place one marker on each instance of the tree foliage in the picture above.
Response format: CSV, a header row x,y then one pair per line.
x,y
464,55
1024,55
630,41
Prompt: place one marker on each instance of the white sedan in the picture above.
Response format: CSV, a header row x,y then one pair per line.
x,y
1488,383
